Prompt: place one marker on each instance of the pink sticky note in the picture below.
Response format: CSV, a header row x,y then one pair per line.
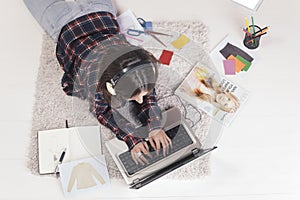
x,y
229,67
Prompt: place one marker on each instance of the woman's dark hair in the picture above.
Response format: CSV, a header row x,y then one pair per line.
x,y
138,78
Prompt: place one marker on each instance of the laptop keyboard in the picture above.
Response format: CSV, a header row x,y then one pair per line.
x,y
180,139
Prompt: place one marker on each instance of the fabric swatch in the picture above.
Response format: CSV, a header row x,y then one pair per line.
x,y
230,49
229,67
180,42
166,57
238,64
246,62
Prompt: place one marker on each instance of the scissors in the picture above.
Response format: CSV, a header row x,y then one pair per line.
x,y
134,32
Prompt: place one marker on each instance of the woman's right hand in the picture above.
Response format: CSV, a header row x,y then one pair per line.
x,y
138,153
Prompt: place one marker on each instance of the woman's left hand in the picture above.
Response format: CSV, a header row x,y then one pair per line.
x,y
159,139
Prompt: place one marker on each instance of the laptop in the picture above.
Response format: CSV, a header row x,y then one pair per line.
x,y
185,148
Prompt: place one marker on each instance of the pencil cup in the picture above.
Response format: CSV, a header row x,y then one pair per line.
x,y
251,41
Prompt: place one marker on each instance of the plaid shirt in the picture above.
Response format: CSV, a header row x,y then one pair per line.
x,y
76,41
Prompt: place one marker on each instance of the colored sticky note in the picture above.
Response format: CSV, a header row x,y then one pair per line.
x,y
229,67
180,41
239,65
246,62
165,57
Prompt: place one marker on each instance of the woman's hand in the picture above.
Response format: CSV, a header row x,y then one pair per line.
x,y
138,153
159,139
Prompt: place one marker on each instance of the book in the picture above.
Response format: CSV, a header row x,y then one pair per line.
x,y
84,176
76,142
250,4
212,93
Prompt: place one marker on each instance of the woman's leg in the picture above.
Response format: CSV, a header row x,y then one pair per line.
x,y
47,13
52,15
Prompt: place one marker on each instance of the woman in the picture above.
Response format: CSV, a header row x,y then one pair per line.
x,y
101,66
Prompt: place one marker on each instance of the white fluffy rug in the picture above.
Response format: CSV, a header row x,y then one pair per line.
x,y
52,107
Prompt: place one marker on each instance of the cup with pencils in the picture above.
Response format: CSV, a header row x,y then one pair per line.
x,y
253,34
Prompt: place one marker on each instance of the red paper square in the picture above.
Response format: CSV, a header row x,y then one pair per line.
x,y
166,57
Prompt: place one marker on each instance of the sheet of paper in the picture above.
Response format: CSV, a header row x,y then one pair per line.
x,y
51,144
84,142
84,176
251,4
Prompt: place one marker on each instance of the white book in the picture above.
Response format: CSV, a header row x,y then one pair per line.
x,y
78,143
251,4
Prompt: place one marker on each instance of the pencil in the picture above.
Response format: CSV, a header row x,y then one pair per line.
x,y
249,34
265,29
247,24
253,39
253,27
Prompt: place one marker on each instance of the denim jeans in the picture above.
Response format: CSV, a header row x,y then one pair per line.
x,y
52,15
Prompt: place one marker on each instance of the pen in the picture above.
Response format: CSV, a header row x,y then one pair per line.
x,y
262,32
249,34
67,125
61,158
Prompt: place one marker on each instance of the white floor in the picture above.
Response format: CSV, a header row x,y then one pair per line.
x,y
257,155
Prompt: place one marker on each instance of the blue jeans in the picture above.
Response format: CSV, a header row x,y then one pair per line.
x,y
52,15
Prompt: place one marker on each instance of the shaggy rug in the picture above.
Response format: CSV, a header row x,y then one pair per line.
x,y
52,107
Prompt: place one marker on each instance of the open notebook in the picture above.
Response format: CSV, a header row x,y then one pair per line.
x,y
78,143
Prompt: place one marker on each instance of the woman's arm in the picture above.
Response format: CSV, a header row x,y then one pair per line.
x,y
105,116
150,113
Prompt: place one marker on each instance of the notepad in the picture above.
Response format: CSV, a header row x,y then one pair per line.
x,y
180,42
239,65
166,57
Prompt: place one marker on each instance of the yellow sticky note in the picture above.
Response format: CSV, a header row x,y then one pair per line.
x,y
238,64
180,42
